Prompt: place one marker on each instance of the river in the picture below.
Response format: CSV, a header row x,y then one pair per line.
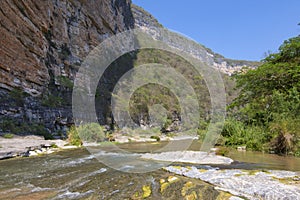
x,y
76,174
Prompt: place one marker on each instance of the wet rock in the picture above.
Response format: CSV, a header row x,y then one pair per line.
x,y
250,184
188,157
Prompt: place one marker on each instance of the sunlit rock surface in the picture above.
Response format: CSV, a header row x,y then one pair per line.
x,y
271,184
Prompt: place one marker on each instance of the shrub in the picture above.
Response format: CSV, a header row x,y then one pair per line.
x,y
39,129
91,132
8,135
65,82
157,138
236,133
52,101
286,135
73,137
18,96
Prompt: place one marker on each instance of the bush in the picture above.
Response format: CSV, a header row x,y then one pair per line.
x,y
52,101
157,138
39,129
236,133
8,135
73,137
286,136
65,82
18,95
91,132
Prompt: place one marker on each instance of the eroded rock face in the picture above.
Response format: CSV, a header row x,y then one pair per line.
x,y
42,46
44,40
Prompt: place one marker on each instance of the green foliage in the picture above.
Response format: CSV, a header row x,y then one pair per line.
x,y
279,73
157,138
222,151
65,82
52,101
152,94
9,125
8,135
286,133
236,133
91,132
53,145
39,129
18,95
73,137
268,105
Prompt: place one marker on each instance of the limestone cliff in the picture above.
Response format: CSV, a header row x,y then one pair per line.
x,y
42,45
42,41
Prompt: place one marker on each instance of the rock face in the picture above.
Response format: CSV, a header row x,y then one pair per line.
x,y
42,45
42,41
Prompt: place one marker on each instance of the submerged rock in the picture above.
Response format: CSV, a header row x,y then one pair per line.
x,y
196,157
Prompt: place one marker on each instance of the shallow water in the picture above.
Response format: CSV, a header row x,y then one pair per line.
x,y
76,174
265,161
244,159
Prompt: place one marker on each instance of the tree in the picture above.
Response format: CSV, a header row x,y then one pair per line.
x,y
278,75
268,104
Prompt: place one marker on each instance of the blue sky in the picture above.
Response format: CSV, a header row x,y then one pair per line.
x,y
237,29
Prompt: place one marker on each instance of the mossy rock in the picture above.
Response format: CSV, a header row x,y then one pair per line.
x,y
187,186
146,191
192,196
224,196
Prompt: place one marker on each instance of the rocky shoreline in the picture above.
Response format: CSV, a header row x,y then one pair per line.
x,y
239,183
25,146
32,145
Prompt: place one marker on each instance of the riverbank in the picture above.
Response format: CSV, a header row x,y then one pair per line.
x,y
32,145
24,146
258,183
